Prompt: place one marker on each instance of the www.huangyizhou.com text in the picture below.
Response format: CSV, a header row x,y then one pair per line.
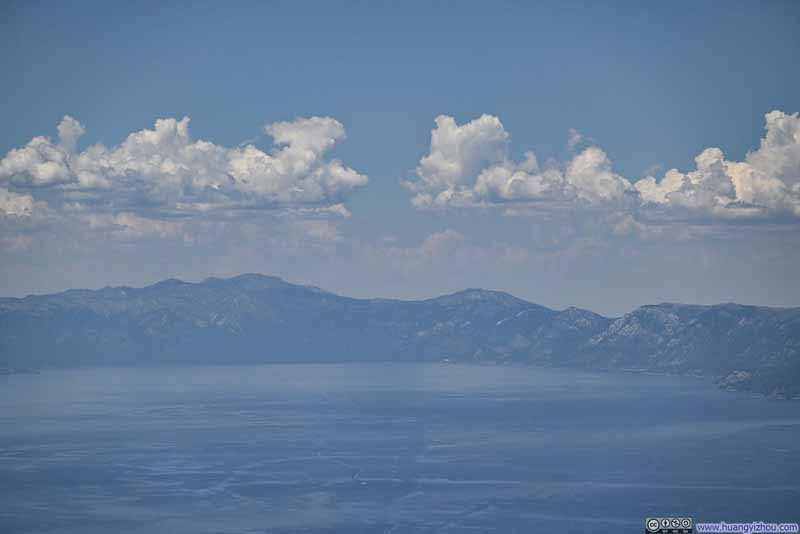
x,y
756,527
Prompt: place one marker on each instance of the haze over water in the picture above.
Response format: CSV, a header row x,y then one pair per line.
x,y
404,448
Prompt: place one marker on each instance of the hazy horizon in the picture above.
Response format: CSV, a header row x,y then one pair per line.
x,y
381,297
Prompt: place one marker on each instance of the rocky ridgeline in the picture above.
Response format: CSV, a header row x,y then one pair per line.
x,y
254,319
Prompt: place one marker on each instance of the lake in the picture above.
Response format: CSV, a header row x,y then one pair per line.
x,y
385,448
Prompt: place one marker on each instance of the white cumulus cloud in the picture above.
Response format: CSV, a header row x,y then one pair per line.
x,y
165,171
469,165
765,183
15,205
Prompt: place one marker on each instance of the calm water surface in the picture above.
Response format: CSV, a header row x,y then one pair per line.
x,y
385,448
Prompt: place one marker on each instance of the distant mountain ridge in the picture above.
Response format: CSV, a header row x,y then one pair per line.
x,y
254,318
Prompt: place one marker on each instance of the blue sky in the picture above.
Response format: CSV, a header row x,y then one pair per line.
x,y
651,85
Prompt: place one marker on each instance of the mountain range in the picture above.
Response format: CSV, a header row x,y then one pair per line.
x,y
255,319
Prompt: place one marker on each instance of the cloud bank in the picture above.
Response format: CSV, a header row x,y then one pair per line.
x,y
163,172
469,165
